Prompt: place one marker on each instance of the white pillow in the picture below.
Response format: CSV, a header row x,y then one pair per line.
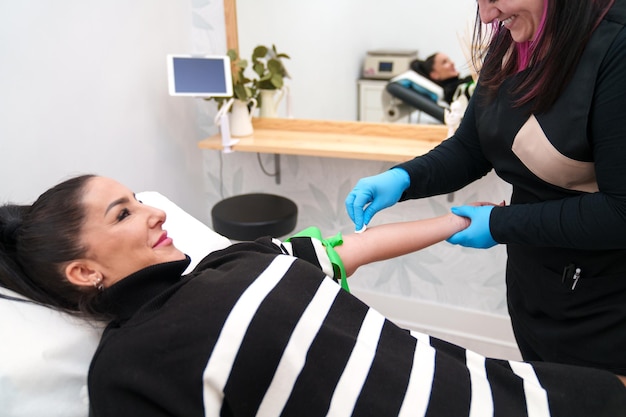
x,y
45,354
44,358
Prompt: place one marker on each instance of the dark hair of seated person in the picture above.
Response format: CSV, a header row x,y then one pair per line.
x,y
37,240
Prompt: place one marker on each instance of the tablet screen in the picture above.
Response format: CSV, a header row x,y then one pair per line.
x,y
199,76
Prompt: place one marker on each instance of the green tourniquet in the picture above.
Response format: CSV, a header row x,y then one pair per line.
x,y
329,244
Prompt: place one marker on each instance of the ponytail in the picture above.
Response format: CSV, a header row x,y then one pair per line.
x,y
37,241
11,275
424,68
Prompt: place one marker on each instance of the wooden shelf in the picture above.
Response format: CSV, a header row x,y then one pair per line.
x,y
336,139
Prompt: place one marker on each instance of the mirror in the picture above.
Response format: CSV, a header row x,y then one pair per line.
x,y
230,17
327,41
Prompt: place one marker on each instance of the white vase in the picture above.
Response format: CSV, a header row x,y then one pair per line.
x,y
241,117
270,99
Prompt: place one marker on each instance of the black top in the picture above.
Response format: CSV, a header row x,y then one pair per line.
x,y
451,84
255,331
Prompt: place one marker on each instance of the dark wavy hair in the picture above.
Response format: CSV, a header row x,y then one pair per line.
x,y
424,67
551,57
37,241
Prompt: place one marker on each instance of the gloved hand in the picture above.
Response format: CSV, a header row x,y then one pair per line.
x,y
376,192
478,234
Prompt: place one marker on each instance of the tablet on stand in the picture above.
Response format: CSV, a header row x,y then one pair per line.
x,y
204,76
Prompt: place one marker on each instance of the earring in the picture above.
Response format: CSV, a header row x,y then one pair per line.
x,y
98,284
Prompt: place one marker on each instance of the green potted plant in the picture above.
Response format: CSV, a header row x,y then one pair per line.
x,y
268,66
242,104
244,88
268,85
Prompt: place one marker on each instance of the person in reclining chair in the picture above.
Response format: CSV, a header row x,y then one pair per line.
x,y
259,328
440,69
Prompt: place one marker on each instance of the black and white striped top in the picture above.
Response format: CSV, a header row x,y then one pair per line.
x,y
260,329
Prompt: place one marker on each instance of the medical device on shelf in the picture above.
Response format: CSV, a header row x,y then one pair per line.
x,y
384,64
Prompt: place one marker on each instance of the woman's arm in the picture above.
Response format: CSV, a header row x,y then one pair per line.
x,y
391,240
454,163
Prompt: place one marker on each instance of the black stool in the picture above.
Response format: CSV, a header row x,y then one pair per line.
x,y
250,216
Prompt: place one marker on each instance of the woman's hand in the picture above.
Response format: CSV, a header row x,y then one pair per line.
x,y
478,234
372,194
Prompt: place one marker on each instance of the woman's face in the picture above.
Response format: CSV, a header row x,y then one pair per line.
x,y
121,234
443,68
520,17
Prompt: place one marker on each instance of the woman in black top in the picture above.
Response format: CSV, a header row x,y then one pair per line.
x,y
547,116
259,328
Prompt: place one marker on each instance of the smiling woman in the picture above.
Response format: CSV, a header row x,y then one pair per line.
x,y
261,328
120,236
546,117
523,19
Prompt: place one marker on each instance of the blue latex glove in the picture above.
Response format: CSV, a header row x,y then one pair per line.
x,y
478,234
372,194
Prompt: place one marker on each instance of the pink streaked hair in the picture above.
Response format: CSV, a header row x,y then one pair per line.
x,y
526,58
526,49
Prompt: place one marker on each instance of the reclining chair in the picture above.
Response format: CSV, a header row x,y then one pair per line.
x,y
409,92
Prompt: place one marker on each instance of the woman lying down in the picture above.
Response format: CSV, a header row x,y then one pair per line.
x,y
259,328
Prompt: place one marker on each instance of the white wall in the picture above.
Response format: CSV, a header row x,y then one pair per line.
x,y
83,89
327,41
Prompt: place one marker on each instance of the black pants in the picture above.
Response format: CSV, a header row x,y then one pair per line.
x,y
557,321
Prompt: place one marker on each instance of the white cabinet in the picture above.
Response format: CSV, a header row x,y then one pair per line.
x,y
370,100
